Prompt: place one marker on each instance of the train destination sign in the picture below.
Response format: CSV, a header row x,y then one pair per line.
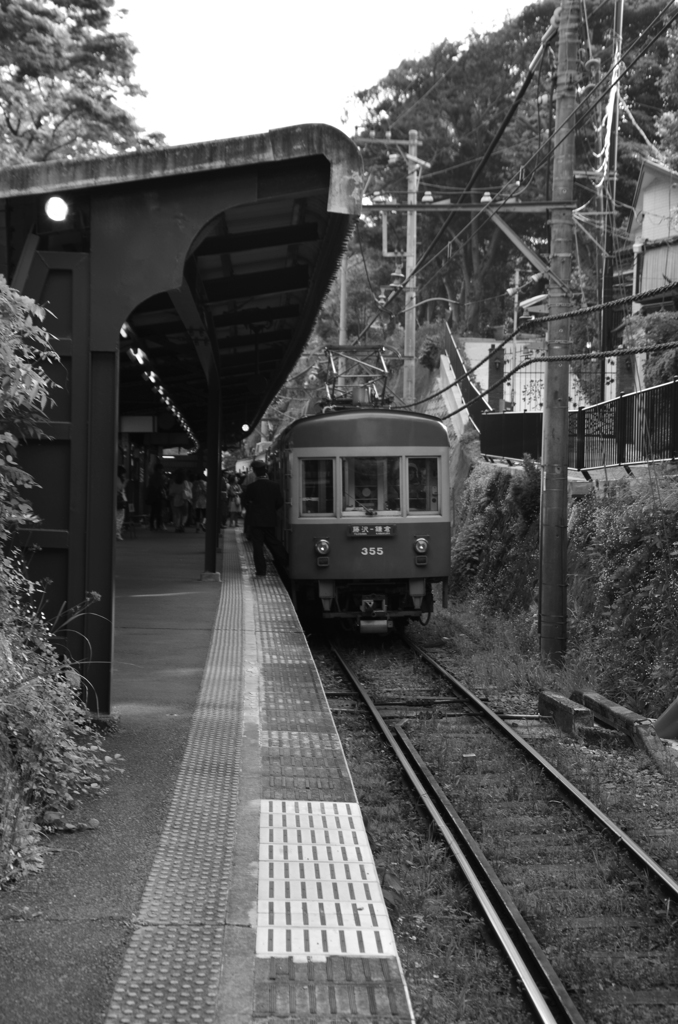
x,y
372,530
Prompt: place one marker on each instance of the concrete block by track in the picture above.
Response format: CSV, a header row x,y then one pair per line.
x,y
567,714
607,711
639,728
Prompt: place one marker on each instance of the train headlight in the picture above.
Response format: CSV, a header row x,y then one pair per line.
x,y
421,545
322,547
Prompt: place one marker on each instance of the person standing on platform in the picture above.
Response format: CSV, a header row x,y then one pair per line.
x,y
199,502
121,503
178,499
250,477
263,499
234,500
223,500
155,495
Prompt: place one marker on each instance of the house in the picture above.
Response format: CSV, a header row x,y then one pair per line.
x,y
653,228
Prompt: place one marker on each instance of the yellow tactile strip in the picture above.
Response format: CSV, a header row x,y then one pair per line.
x,y
319,894
171,969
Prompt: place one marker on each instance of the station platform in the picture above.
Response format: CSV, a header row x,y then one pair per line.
x,y
233,879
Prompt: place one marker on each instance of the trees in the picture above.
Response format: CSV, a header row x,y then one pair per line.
x,y
44,765
62,72
457,96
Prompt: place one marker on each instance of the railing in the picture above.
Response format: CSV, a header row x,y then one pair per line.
x,y
625,431
628,430
469,392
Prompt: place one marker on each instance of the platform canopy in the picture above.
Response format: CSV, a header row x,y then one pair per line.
x,y
183,283
212,259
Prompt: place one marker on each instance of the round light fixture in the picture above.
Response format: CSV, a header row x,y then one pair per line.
x,y
421,545
245,428
322,547
56,208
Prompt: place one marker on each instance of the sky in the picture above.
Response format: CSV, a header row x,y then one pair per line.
x,y
214,69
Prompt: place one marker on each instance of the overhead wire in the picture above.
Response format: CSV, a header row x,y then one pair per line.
x,y
424,261
574,357
580,312
419,99
484,121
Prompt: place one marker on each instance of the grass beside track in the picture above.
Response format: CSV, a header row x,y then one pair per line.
x,y
453,970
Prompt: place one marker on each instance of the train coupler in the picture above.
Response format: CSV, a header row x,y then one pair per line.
x,y
374,625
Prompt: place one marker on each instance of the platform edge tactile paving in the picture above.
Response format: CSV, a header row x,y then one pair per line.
x,y
325,946
176,970
171,969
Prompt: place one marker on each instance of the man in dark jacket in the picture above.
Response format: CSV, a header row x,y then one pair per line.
x,y
263,498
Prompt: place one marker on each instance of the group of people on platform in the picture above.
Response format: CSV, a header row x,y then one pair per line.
x,y
180,498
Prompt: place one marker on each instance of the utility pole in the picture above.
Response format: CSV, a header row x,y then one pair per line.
x,y
343,331
410,264
608,189
553,510
343,337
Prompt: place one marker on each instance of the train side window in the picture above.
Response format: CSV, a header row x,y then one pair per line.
x,y
317,487
370,485
422,480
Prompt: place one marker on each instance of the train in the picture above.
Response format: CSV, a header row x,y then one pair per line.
x,y
366,522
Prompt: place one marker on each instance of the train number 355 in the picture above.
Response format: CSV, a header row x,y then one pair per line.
x,y
371,551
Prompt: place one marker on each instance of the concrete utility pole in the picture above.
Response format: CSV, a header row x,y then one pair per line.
x,y
343,336
343,331
553,511
410,264
608,189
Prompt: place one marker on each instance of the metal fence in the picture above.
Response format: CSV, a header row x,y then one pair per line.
x,y
624,431
524,390
628,430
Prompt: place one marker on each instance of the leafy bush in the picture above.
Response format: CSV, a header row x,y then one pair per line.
x,y
495,551
622,577
656,329
49,755
623,595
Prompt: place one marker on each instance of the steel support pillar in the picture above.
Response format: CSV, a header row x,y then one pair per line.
x,y
139,239
73,546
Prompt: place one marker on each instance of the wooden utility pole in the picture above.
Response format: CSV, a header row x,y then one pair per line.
x,y
410,264
553,510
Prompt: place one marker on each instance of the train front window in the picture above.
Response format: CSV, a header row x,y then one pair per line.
x,y
422,480
317,487
370,485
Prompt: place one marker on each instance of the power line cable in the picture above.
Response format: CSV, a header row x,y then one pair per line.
x,y
421,265
581,311
428,92
576,357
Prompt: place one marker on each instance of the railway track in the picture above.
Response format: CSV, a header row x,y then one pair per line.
x,y
586,918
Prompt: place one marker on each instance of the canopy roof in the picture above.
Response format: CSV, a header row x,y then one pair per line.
x,y
210,259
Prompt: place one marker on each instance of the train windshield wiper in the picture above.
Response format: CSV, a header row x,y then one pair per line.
x,y
366,510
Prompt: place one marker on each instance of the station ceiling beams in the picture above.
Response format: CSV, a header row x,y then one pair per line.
x,y
214,259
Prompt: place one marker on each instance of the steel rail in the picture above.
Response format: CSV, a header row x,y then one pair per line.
x,y
534,994
668,884
502,900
